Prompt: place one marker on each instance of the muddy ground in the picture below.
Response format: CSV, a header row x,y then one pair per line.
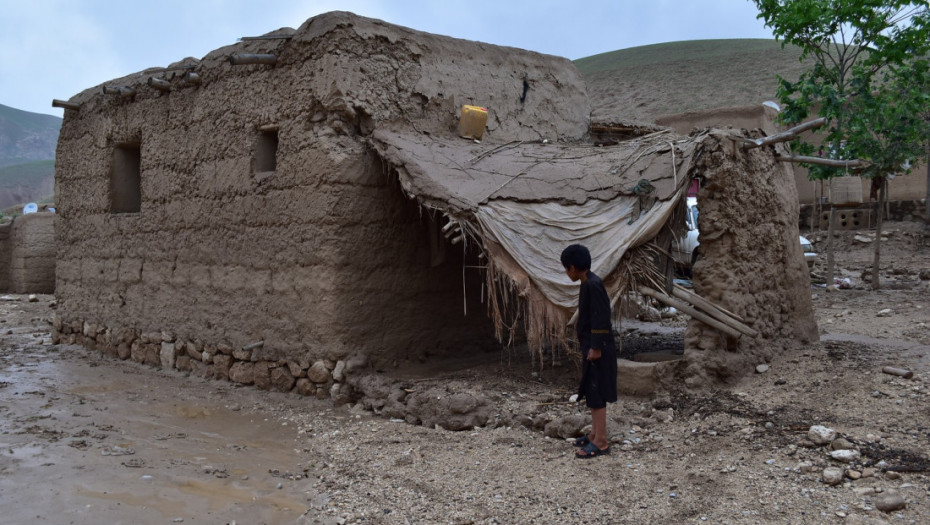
x,y
85,439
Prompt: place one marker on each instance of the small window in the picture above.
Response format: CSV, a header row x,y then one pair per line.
x,y
266,151
125,180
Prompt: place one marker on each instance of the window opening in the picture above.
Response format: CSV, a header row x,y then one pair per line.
x,y
266,151
125,179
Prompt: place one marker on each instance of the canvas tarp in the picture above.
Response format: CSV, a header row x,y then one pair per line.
x,y
531,199
534,234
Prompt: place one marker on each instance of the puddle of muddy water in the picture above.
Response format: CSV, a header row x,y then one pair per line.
x,y
182,452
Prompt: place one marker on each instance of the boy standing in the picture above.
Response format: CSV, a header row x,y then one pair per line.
x,y
599,353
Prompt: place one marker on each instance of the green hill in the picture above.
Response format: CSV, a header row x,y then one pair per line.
x,y
26,136
643,83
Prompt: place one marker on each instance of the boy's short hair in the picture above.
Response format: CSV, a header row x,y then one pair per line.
x,y
578,256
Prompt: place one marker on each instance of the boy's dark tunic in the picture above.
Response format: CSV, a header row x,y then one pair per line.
x,y
599,378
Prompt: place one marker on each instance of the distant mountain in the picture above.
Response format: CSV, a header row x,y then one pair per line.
x,y
27,156
27,137
32,182
643,83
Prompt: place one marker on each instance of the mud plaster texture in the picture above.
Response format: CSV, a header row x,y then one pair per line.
x,y
27,254
750,260
320,259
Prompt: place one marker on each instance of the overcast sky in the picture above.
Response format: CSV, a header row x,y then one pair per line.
x,y
57,48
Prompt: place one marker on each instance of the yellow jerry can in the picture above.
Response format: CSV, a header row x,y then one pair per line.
x,y
473,121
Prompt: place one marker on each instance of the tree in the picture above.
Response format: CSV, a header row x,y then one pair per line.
x,y
889,127
863,52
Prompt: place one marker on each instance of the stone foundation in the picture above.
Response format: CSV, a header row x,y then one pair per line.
x,y
322,378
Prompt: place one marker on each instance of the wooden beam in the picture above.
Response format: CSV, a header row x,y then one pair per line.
x,y
159,84
786,135
241,59
836,163
123,91
191,78
269,37
64,104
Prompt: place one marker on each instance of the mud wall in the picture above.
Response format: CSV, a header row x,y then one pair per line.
x,y
232,266
6,250
909,187
751,262
27,254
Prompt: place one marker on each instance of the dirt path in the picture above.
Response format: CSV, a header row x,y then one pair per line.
x,y
88,440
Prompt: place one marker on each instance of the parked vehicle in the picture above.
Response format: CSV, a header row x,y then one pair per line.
x,y
685,250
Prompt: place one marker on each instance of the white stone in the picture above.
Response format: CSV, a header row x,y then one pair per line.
x,y
339,371
821,435
32,298
845,456
761,369
832,475
168,354
887,312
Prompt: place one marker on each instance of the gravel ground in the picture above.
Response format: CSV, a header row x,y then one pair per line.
x,y
87,439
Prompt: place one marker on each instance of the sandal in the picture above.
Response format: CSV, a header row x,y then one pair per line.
x,y
582,441
591,451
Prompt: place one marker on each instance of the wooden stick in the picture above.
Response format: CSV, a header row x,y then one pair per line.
x,y
679,289
786,135
240,59
64,104
714,311
836,163
268,127
270,37
253,346
686,308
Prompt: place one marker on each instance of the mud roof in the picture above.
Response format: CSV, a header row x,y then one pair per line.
x,y
458,175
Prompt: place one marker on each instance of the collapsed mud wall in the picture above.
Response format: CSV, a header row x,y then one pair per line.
x,y
27,254
6,250
751,262
265,239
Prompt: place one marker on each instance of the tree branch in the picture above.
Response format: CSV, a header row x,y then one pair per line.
x,y
836,163
784,136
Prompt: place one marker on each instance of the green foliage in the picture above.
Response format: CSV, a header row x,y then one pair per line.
x,y
869,77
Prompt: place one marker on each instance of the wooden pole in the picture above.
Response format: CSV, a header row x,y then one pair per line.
x,y
686,308
836,163
63,104
784,136
877,243
159,84
241,59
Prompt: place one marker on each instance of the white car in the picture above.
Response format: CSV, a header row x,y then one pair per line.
x,y
685,250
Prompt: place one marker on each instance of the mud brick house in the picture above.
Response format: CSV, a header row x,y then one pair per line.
x,y
285,203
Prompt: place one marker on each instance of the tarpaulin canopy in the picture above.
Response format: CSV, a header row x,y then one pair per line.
x,y
527,201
